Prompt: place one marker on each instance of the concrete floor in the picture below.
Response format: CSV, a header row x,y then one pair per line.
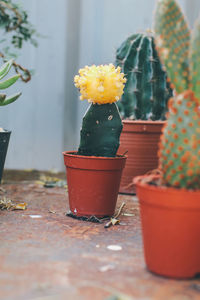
x,y
56,257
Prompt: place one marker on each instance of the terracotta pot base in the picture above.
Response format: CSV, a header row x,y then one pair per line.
x,y
93,183
171,229
140,139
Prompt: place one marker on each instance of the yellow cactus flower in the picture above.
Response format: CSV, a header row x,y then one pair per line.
x,y
100,84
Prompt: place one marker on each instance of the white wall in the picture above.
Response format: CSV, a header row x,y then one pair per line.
x,y
105,24
46,120
36,119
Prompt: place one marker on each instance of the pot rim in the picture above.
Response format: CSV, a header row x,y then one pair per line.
x,y
142,127
5,130
166,197
143,122
163,188
73,154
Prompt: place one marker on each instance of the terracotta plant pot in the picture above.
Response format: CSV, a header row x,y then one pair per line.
x,y
171,229
4,141
93,183
140,139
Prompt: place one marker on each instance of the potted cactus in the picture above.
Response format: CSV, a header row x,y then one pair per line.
x,y
142,106
4,100
94,171
170,201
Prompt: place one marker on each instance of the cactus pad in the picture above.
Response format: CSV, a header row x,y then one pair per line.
x,y
172,40
180,143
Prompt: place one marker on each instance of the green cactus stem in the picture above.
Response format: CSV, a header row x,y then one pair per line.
x,y
180,143
172,40
101,129
146,91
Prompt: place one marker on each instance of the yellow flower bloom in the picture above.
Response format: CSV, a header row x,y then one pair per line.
x,y
100,84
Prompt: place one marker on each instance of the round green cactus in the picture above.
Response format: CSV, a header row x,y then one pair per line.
x,y
147,89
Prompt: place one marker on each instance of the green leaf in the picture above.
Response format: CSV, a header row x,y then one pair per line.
x,y
10,81
5,68
10,99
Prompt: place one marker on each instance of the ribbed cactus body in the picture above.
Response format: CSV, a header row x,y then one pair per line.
x,y
180,143
101,129
146,91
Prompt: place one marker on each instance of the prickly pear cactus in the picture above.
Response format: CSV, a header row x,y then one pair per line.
x,y
173,40
102,125
4,70
179,150
146,91
180,143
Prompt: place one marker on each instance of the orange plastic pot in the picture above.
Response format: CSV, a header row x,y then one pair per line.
x,y
140,139
93,183
171,229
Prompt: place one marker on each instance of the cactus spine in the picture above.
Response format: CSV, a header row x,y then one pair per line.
x,y
102,125
146,91
180,143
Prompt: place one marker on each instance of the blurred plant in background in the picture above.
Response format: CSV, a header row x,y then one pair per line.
x,y
16,30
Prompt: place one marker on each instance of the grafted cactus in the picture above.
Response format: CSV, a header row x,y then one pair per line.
x,y
6,83
180,143
146,91
102,125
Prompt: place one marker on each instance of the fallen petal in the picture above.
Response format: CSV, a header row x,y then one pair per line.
x,y
20,206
